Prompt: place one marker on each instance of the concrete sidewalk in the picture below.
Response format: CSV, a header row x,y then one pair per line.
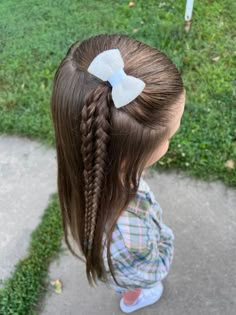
x,y
202,215
27,178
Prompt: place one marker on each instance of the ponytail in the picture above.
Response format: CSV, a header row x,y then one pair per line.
x,y
95,128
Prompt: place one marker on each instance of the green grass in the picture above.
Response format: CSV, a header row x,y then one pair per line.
x,y
27,283
35,36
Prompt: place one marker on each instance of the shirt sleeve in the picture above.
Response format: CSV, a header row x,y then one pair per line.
x,y
148,252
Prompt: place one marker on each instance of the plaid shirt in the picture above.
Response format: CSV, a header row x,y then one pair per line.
x,y
142,245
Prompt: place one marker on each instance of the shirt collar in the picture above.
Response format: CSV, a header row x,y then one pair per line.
x,y
143,186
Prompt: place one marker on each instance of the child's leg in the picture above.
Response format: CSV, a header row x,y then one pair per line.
x,y
131,296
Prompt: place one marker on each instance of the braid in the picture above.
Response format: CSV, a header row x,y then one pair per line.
x,y
95,127
87,154
102,128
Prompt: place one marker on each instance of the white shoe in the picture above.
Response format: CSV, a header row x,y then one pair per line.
x,y
146,297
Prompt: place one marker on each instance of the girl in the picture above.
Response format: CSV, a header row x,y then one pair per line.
x,y
116,102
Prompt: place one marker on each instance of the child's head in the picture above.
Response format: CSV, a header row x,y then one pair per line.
x,y
102,150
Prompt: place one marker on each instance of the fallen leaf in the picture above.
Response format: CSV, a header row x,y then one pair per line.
x,y
216,58
230,164
57,285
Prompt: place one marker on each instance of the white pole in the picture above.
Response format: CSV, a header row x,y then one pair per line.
x,y
188,14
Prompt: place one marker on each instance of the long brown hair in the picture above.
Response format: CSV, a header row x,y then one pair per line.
x,y
102,150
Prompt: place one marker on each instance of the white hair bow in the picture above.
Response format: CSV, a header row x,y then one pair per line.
x,y
108,66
